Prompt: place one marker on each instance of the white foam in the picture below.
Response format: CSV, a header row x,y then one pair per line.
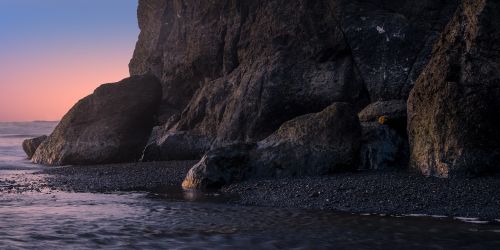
x,y
416,215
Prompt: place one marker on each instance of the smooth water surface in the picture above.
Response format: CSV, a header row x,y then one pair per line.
x,y
48,219
146,221
12,135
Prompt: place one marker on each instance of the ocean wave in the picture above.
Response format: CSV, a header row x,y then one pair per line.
x,y
19,135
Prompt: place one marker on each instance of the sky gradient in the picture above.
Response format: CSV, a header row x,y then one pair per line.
x,y
55,52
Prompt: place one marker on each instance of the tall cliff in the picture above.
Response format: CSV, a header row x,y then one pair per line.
x,y
236,70
298,87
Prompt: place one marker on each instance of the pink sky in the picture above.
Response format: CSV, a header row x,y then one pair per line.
x,y
55,52
45,86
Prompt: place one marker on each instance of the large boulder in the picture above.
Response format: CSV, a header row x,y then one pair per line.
x,y
454,109
177,145
221,166
30,145
109,126
236,70
312,144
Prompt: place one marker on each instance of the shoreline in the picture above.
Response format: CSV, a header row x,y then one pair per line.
x,y
383,193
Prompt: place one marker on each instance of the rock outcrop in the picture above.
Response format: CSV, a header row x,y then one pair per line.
x,y
312,144
454,109
235,71
395,109
111,125
391,40
221,166
30,145
176,146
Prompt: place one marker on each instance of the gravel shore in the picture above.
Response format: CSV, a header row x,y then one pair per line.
x,y
395,193
145,176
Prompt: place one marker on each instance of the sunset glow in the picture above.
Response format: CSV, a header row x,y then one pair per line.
x,y
42,76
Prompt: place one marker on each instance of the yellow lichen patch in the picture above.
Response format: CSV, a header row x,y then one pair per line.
x,y
382,120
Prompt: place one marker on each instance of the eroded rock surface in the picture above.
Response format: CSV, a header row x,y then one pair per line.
x,y
396,109
312,144
454,109
30,145
236,71
391,40
176,146
109,126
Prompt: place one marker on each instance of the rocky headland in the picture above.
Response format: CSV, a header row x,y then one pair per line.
x,y
366,106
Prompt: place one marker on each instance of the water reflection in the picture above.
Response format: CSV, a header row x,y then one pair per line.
x,y
61,220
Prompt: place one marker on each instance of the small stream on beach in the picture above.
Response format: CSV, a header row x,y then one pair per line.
x,y
50,219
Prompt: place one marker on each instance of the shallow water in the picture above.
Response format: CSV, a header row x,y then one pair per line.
x,y
59,220
48,219
12,135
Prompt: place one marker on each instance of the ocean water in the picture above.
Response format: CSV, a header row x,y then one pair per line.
x,y
50,219
12,135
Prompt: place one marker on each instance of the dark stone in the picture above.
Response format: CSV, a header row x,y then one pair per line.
x,y
454,109
30,145
383,148
109,126
236,70
175,146
396,109
391,40
219,167
312,144
390,113
314,195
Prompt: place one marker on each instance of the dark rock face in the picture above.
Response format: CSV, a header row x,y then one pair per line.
x,y
221,166
109,126
383,148
312,144
391,41
176,146
454,109
396,109
30,145
236,70
392,113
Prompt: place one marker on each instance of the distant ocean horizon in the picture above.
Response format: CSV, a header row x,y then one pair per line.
x,y
12,135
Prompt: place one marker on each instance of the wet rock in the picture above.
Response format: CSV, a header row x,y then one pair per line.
x,y
176,146
109,126
30,145
454,109
312,144
383,148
